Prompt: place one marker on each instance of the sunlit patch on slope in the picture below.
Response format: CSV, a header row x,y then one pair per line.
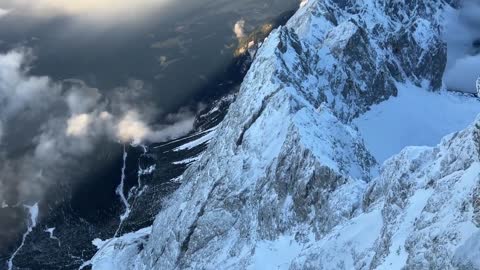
x,y
187,161
209,134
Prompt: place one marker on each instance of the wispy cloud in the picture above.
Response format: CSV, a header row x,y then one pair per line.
x,y
463,29
96,10
47,128
4,12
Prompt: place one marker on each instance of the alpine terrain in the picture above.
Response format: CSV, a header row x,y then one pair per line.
x,y
314,165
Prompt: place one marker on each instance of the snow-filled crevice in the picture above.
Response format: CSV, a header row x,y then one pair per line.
x,y
476,136
191,230
50,232
135,192
120,192
287,38
140,188
105,246
32,223
255,116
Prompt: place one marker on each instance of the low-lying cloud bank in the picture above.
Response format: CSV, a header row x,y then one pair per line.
x,y
47,127
96,10
463,39
3,12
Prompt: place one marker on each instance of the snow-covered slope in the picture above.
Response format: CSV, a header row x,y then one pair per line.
x,y
422,212
287,181
414,117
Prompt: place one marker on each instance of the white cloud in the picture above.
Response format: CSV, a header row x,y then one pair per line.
x,y
4,12
96,10
172,131
462,76
239,29
463,66
105,116
82,98
78,125
131,129
19,91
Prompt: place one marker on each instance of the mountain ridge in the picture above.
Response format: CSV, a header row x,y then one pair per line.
x,y
287,182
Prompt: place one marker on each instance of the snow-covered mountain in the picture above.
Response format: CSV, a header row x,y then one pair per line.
x,y
288,181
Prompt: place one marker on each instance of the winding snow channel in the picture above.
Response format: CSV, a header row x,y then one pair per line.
x,y
140,170
104,246
121,193
50,233
33,212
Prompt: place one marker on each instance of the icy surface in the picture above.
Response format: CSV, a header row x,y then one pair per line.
x,y
414,117
114,253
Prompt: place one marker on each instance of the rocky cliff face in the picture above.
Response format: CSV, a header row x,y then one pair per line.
x,y
421,212
287,181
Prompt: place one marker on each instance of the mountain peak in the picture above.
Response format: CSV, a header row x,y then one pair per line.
x,y
288,183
